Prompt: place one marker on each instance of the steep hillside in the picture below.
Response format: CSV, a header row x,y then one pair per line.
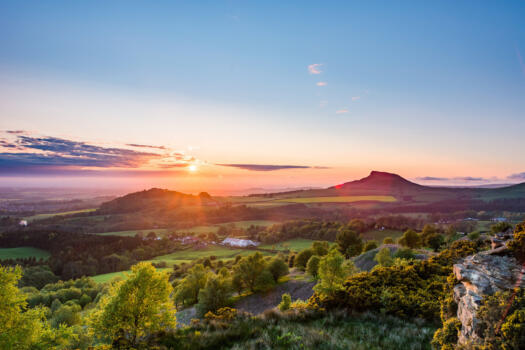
x,y
154,198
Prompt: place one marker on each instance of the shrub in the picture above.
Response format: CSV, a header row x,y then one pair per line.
x,y
312,266
384,258
369,245
320,247
277,268
404,254
264,281
446,337
302,258
286,301
410,239
388,240
517,245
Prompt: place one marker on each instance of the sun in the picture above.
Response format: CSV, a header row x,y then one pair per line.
x,y
192,168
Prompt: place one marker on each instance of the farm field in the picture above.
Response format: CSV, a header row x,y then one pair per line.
x,y
23,252
49,215
195,229
379,235
222,253
296,245
340,199
106,277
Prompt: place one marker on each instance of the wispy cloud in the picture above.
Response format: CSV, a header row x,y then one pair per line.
x,y
266,167
456,179
322,83
342,111
518,176
315,68
355,98
145,146
38,152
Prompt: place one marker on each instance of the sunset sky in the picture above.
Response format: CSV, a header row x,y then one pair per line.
x,y
226,96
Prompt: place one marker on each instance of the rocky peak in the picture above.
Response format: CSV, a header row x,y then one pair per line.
x,y
480,275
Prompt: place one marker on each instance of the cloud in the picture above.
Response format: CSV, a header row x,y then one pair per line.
x,y
355,98
15,131
453,179
322,83
342,111
41,153
518,176
315,68
432,178
265,167
145,146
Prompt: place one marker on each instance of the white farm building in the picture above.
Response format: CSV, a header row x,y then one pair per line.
x,y
236,242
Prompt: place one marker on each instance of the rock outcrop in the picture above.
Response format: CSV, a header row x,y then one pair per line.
x,y
479,275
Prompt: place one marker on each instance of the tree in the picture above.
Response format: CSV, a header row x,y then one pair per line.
x,y
410,239
320,248
277,268
248,269
187,291
369,245
264,281
384,258
388,240
500,227
302,258
312,267
214,295
357,225
286,301
331,273
349,242
136,307
19,327
434,241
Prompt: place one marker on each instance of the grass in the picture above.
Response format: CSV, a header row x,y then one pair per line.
x,y
23,252
340,199
132,233
49,215
326,331
296,244
222,253
106,277
195,229
379,235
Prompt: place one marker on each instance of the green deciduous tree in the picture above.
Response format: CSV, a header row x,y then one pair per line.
x,y
248,270
302,258
278,268
349,242
410,239
331,273
136,307
20,328
312,267
369,245
320,248
187,291
215,294
384,258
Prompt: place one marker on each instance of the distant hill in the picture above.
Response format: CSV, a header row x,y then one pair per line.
x,y
388,184
154,198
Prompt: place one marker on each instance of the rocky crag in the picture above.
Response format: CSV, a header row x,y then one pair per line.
x,y
480,275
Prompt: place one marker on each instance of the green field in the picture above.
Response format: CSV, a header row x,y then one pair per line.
x,y
106,277
379,235
195,229
23,252
132,233
340,199
46,216
296,245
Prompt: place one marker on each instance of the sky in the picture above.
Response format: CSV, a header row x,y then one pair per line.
x,y
229,96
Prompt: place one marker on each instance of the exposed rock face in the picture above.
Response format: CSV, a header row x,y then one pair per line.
x,y
481,274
